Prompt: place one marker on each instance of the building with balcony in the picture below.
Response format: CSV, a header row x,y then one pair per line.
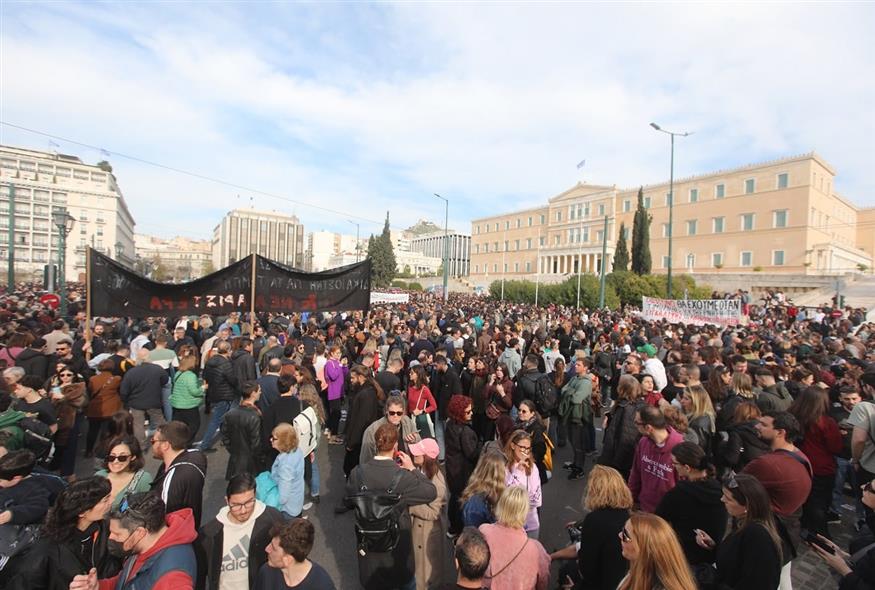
x,y
273,235
181,259
781,216
34,184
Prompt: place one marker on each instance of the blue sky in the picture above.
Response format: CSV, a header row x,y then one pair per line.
x,y
362,108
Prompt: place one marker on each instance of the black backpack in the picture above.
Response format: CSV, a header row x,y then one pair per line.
x,y
546,398
376,517
38,438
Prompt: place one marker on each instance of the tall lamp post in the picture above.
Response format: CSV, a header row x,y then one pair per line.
x,y
446,245
357,228
670,195
64,222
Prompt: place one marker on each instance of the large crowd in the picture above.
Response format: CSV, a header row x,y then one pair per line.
x,y
710,457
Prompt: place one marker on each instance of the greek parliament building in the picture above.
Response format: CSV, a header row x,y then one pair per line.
x,y
273,235
33,185
775,217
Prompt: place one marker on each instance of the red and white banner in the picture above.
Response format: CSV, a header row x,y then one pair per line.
x,y
719,312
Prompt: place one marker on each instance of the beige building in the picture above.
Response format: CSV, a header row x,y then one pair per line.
x,y
775,217
324,246
45,181
270,234
182,259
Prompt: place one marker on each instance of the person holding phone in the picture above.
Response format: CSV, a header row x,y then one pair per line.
x,y
858,570
750,557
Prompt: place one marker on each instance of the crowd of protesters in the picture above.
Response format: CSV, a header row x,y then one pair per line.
x,y
713,456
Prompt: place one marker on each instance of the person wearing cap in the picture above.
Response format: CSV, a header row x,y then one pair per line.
x,y
653,366
427,519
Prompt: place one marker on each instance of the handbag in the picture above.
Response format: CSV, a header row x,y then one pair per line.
x,y
266,490
424,423
492,411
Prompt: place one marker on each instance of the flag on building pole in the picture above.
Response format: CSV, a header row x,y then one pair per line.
x,y
581,164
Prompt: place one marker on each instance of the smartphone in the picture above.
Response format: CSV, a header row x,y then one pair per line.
x,y
813,539
397,457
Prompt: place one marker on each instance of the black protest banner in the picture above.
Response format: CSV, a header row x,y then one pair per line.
x,y
281,289
117,291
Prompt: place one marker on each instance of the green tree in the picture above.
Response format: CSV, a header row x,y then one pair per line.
x,y
641,262
105,166
621,252
382,256
159,270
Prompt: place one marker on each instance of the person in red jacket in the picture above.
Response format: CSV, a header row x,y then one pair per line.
x,y
822,442
160,550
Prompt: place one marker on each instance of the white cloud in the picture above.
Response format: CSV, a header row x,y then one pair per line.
x,y
376,107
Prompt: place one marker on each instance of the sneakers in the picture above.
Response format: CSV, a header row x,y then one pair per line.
x,y
307,506
314,499
576,473
832,517
336,440
568,465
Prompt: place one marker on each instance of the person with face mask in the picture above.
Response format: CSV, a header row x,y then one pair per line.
x,y
75,538
157,548
231,547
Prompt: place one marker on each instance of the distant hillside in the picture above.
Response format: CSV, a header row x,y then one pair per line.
x,y
423,227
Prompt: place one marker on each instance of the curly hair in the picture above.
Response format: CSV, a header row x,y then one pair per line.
x,y
457,406
81,496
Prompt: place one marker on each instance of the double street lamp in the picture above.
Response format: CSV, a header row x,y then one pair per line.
x,y
670,196
64,222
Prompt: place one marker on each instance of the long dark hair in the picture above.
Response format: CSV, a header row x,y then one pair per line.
x,y
809,406
715,386
362,371
81,496
750,493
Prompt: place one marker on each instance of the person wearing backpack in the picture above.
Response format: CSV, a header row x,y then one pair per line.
x,y
385,545
574,410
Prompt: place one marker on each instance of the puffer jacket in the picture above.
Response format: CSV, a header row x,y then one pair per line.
x,y
221,380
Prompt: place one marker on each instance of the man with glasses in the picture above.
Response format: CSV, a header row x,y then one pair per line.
x,y
64,354
180,478
231,547
159,547
395,415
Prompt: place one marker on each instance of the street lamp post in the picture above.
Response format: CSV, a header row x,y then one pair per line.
x,y
670,197
446,245
357,228
64,222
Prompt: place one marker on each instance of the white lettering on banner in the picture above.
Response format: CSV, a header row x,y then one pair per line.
x,y
700,312
377,297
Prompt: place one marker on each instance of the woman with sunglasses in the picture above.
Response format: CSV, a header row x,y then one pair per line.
x,y
857,570
462,452
750,557
521,471
655,557
74,539
68,394
123,467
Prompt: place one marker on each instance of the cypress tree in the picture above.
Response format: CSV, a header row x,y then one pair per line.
x,y
641,262
382,256
621,252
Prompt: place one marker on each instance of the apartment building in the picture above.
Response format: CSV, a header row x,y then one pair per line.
x,y
273,235
781,216
41,182
182,258
433,246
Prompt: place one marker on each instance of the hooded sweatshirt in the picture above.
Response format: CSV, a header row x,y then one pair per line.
x,y
694,505
235,548
11,429
180,532
652,470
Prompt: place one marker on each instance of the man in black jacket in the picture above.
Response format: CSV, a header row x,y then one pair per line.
x,y
34,359
221,391
392,569
247,523
244,364
180,478
141,393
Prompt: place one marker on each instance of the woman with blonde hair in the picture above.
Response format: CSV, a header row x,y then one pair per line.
x,y
600,564
521,471
699,411
656,560
484,488
517,562
621,433
288,470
